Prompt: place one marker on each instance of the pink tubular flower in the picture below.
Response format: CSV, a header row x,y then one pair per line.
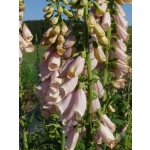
x,y
45,74
48,53
20,55
98,148
72,140
125,128
80,103
29,48
27,35
98,87
107,136
22,42
104,6
120,45
121,10
20,24
106,21
99,54
64,68
121,20
76,67
121,55
69,42
121,32
68,86
67,54
119,83
95,105
54,62
108,123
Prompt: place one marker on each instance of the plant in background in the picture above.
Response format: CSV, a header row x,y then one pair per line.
x,y
84,75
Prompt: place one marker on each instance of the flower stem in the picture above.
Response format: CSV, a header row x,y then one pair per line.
x,y
105,77
62,141
89,70
24,132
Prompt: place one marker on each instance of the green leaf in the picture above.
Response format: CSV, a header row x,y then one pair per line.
x,y
31,118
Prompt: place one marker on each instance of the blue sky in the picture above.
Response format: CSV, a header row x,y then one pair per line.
x,y
34,11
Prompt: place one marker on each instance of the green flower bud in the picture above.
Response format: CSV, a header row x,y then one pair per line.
x,y
91,22
98,8
80,13
72,2
60,9
83,2
67,13
55,20
48,15
65,2
51,8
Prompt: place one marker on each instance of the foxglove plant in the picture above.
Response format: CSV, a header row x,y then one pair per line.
x,y
71,85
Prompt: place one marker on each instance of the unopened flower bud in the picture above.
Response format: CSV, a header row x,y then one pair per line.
x,y
72,2
67,13
125,128
80,13
90,30
99,54
64,29
91,22
20,15
98,8
59,9
47,15
65,2
55,20
46,8
98,30
53,1
60,39
110,108
102,40
44,42
83,2
51,8
56,30
60,50
21,7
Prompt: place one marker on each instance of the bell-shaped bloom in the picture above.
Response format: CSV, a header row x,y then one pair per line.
x,y
22,42
79,103
64,68
95,105
122,66
119,83
107,136
108,123
69,42
104,6
121,20
48,53
99,54
45,74
47,110
64,29
72,140
93,63
120,45
27,35
102,40
66,104
68,86
54,90
69,126
66,116
54,62
121,32
97,138
60,50
67,54
121,11
98,30
106,21
54,77
29,48
76,67
43,64
48,33
91,22
98,87
121,55
52,39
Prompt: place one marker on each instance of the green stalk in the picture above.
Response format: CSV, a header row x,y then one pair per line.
x,y
105,77
24,132
89,105
62,141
